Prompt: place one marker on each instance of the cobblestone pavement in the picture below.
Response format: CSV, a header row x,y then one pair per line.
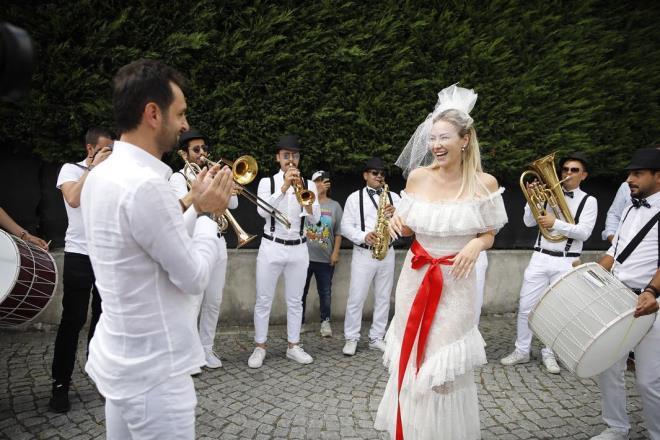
x,y
334,398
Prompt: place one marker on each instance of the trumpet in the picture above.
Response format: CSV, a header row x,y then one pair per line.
x,y
244,170
304,196
225,219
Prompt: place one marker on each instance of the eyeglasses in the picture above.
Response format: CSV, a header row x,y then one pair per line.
x,y
572,170
290,156
197,148
377,173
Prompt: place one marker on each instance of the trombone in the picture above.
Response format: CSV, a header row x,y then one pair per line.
x,y
244,170
225,219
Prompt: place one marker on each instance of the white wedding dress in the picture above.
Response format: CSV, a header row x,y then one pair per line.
x,y
440,401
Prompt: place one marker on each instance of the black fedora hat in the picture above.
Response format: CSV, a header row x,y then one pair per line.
x,y
288,142
645,159
375,163
190,135
576,155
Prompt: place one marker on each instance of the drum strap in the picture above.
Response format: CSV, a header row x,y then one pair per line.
x,y
637,239
569,242
272,219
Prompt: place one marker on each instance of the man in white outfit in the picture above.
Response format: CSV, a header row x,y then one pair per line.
x,y
634,258
194,146
358,224
148,269
283,251
551,260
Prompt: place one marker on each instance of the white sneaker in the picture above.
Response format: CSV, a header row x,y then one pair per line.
x,y
212,360
551,364
349,348
612,434
257,357
299,355
514,358
326,330
377,344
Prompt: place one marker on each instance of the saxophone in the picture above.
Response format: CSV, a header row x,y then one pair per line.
x,y
379,249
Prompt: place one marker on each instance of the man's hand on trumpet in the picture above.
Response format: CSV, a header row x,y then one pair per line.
x,y
291,175
212,190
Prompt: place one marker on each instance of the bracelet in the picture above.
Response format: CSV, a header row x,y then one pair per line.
x,y
653,290
23,234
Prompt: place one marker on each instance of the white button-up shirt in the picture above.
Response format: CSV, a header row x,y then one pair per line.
x,y
288,205
579,232
350,221
640,266
621,200
148,271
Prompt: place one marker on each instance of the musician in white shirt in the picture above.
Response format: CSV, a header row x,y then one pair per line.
x,y
283,251
551,260
148,269
195,146
358,224
634,258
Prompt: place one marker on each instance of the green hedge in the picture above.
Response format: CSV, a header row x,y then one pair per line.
x,y
355,78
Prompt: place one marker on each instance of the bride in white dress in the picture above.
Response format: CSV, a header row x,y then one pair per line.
x,y
454,209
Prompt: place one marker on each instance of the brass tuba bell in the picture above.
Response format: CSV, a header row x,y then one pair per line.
x,y
546,194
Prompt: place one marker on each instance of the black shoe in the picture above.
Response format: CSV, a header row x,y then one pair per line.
x,y
59,401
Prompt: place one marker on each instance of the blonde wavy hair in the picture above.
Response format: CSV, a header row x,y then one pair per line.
x,y
471,185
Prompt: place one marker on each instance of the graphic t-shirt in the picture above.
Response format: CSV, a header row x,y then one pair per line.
x,y
321,236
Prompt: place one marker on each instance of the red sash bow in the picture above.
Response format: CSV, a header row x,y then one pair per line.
x,y
421,315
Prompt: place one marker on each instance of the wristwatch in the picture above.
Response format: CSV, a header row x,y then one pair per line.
x,y
206,214
653,290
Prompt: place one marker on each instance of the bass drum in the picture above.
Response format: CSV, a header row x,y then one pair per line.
x,y
586,318
28,278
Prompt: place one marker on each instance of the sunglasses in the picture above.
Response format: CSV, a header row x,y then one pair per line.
x,y
572,170
197,148
291,156
377,173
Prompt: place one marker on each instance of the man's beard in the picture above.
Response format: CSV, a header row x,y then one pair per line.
x,y
167,140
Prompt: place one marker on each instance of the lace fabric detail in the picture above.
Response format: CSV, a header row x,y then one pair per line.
x,y
453,217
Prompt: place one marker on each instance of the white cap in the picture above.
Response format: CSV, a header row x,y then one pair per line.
x,y
317,174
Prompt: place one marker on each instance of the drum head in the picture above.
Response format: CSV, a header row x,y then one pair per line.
x,y
614,342
9,264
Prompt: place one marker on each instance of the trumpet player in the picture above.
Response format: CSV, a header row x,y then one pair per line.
x,y
194,146
357,224
552,259
282,250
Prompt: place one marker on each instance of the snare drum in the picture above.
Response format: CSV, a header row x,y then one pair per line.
x,y
28,277
586,318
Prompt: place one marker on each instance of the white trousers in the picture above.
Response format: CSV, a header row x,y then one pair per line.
x,y
647,374
541,271
166,411
480,268
212,298
364,270
274,259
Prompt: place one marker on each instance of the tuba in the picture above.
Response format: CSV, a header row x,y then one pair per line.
x,y
546,194
226,219
379,249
